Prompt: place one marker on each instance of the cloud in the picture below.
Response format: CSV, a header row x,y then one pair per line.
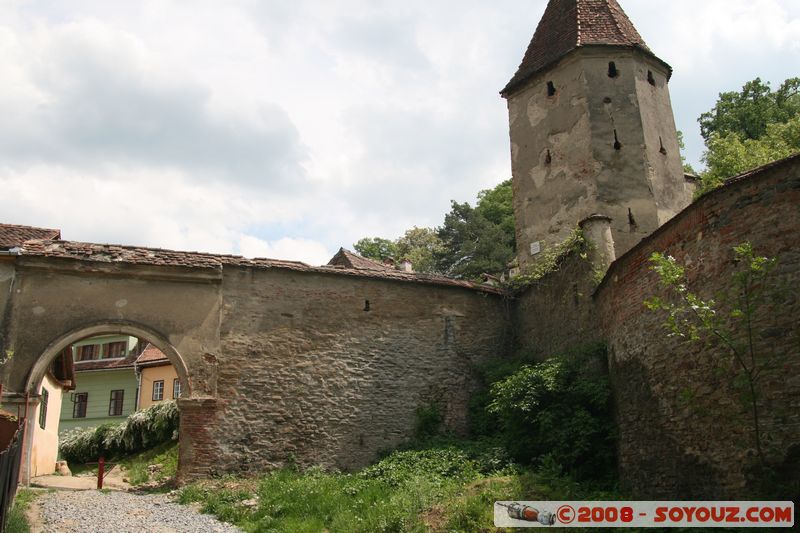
x,y
292,127
305,250
98,96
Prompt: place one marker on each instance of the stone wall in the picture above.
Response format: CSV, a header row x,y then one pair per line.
x,y
556,314
288,364
683,430
313,374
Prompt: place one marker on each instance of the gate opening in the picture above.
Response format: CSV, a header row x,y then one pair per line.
x,y
111,395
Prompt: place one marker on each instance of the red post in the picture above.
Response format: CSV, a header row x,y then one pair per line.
x,y
101,466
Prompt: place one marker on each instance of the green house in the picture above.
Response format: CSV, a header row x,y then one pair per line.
x,y
105,382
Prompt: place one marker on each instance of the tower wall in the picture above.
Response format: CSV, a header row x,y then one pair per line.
x,y
634,183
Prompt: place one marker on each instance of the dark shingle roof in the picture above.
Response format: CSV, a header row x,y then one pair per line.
x,y
12,235
347,259
569,24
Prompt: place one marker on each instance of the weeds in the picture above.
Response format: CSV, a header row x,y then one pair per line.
x,y
165,455
17,521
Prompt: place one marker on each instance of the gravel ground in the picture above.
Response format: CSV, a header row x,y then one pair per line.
x,y
122,512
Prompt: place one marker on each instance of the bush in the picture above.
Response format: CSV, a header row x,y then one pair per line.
x,y
434,464
140,431
559,409
79,445
428,421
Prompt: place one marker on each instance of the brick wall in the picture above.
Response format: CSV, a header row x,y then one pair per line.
x,y
683,430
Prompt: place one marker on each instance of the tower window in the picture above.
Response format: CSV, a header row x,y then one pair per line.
x,y
617,144
551,89
632,221
548,158
612,70
662,149
650,78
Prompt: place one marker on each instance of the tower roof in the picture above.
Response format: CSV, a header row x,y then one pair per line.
x,y
570,24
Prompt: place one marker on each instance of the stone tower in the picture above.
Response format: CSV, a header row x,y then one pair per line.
x,y
592,130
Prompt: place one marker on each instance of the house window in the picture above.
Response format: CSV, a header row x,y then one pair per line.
x,y
87,352
158,390
176,388
115,403
43,408
79,405
115,349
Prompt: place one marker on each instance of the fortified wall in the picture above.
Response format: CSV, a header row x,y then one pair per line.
x,y
683,429
329,370
282,362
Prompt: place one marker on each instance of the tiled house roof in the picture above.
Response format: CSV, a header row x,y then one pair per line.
x,y
152,356
12,235
107,364
570,24
347,259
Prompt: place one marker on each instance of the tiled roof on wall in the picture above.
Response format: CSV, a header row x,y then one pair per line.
x,y
569,24
111,253
12,235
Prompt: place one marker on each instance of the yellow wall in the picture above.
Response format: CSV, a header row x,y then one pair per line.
x,y
44,449
151,374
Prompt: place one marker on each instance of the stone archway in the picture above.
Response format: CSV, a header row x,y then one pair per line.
x,y
57,346
101,328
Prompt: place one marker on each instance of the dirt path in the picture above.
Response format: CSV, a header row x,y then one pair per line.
x,y
71,511
114,479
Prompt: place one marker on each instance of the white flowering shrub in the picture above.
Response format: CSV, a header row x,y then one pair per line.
x,y
140,431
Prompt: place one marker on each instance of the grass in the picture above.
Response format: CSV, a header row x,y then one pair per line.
x,y
438,489
17,521
135,466
81,470
164,454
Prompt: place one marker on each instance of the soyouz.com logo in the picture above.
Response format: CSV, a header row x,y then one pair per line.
x,y
643,514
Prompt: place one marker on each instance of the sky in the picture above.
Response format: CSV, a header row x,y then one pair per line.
x,y
288,129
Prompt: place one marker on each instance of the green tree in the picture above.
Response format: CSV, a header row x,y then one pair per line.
x,y
481,239
559,410
472,241
687,167
420,246
736,325
750,128
471,244
748,113
497,206
730,154
376,248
